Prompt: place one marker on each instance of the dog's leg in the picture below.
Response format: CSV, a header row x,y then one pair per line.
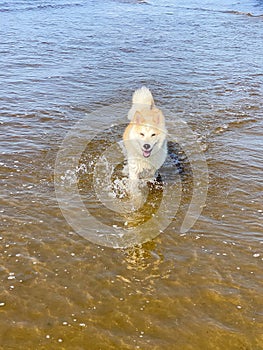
x,y
134,192
133,181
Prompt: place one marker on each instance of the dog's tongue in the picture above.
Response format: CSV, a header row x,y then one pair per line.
x,y
146,154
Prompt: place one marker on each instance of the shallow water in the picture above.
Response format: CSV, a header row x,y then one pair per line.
x,y
64,62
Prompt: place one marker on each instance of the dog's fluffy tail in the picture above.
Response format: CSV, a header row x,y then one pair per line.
x,y
141,99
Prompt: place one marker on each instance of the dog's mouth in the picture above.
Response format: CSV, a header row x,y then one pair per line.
x,y
147,153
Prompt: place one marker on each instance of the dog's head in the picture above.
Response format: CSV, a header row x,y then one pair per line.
x,y
148,131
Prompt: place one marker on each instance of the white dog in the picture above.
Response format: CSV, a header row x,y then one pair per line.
x,y
145,137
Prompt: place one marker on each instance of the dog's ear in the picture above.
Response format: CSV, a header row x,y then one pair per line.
x,y
158,118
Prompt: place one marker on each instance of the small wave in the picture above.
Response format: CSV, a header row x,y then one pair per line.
x,y
38,7
234,12
242,13
134,1
233,124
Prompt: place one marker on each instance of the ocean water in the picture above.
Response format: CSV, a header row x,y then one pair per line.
x,y
68,71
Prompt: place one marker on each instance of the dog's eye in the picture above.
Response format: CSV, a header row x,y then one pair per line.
x,y
153,135
142,134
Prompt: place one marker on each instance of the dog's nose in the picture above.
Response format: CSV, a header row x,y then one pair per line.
x,y
146,146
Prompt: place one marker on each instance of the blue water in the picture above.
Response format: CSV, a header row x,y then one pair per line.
x,y
64,53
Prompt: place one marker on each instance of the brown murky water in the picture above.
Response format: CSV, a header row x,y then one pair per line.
x,y
198,290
